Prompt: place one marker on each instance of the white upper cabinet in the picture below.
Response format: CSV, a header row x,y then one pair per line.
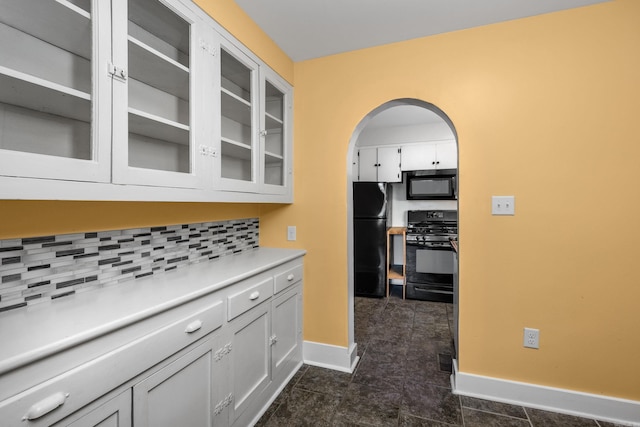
x,y
379,164
238,159
51,93
155,58
255,128
442,155
137,100
275,133
368,164
447,155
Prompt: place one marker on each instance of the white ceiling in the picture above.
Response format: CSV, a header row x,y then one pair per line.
x,y
307,29
403,115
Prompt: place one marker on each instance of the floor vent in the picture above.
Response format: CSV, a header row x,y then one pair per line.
x,y
446,362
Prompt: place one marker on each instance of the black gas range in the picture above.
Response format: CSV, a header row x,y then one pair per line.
x,y
432,228
430,255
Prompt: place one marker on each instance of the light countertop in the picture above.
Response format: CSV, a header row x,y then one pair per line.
x,y
36,331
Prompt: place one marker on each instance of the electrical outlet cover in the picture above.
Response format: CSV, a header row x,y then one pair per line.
x,y
531,338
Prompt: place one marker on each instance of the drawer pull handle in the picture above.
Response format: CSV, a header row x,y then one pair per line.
x,y
291,277
45,406
254,296
193,326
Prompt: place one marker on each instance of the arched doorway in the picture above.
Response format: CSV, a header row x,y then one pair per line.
x,y
400,114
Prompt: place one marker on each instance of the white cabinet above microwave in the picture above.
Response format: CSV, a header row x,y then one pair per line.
x,y
430,156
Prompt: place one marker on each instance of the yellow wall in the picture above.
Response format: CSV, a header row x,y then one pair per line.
x,y
546,109
43,218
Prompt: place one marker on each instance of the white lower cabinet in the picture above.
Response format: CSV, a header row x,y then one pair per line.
x,y
267,347
265,331
203,363
250,367
115,412
286,333
180,394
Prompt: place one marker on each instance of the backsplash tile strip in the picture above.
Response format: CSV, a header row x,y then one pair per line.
x,y
38,269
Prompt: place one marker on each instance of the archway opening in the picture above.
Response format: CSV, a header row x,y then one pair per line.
x,y
400,122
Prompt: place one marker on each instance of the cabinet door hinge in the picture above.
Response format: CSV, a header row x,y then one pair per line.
x,y
117,73
208,48
223,404
219,354
205,150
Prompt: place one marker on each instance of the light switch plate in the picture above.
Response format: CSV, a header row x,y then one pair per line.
x,y
291,232
503,205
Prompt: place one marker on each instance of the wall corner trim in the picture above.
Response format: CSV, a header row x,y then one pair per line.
x,y
600,407
331,356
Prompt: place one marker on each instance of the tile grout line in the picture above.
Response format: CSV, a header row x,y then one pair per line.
x,y
528,417
498,413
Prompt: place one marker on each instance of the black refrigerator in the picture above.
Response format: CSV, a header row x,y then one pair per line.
x,y
370,209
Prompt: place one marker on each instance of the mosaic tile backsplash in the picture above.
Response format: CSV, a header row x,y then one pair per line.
x,y
37,269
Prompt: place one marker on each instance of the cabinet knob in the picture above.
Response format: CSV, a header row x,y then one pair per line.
x,y
45,406
291,277
193,326
254,296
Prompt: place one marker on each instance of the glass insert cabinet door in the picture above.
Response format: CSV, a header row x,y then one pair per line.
x,y
274,133
51,95
153,77
238,127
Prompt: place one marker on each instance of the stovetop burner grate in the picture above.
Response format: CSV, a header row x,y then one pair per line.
x,y
432,226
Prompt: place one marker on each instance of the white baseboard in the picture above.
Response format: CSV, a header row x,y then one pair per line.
x,y
605,408
330,356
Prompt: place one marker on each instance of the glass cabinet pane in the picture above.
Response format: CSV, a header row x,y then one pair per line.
x,y
159,84
237,119
274,137
46,90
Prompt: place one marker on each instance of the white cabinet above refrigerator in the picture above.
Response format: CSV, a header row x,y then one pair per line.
x,y
379,164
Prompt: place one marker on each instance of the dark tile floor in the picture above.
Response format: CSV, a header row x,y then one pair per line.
x,y
402,379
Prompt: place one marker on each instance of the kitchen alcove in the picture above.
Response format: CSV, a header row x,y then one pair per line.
x,y
409,122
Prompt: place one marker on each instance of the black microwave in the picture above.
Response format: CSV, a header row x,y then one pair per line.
x,y
431,184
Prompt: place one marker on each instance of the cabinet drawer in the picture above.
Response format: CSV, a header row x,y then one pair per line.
x,y
288,278
249,298
58,397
